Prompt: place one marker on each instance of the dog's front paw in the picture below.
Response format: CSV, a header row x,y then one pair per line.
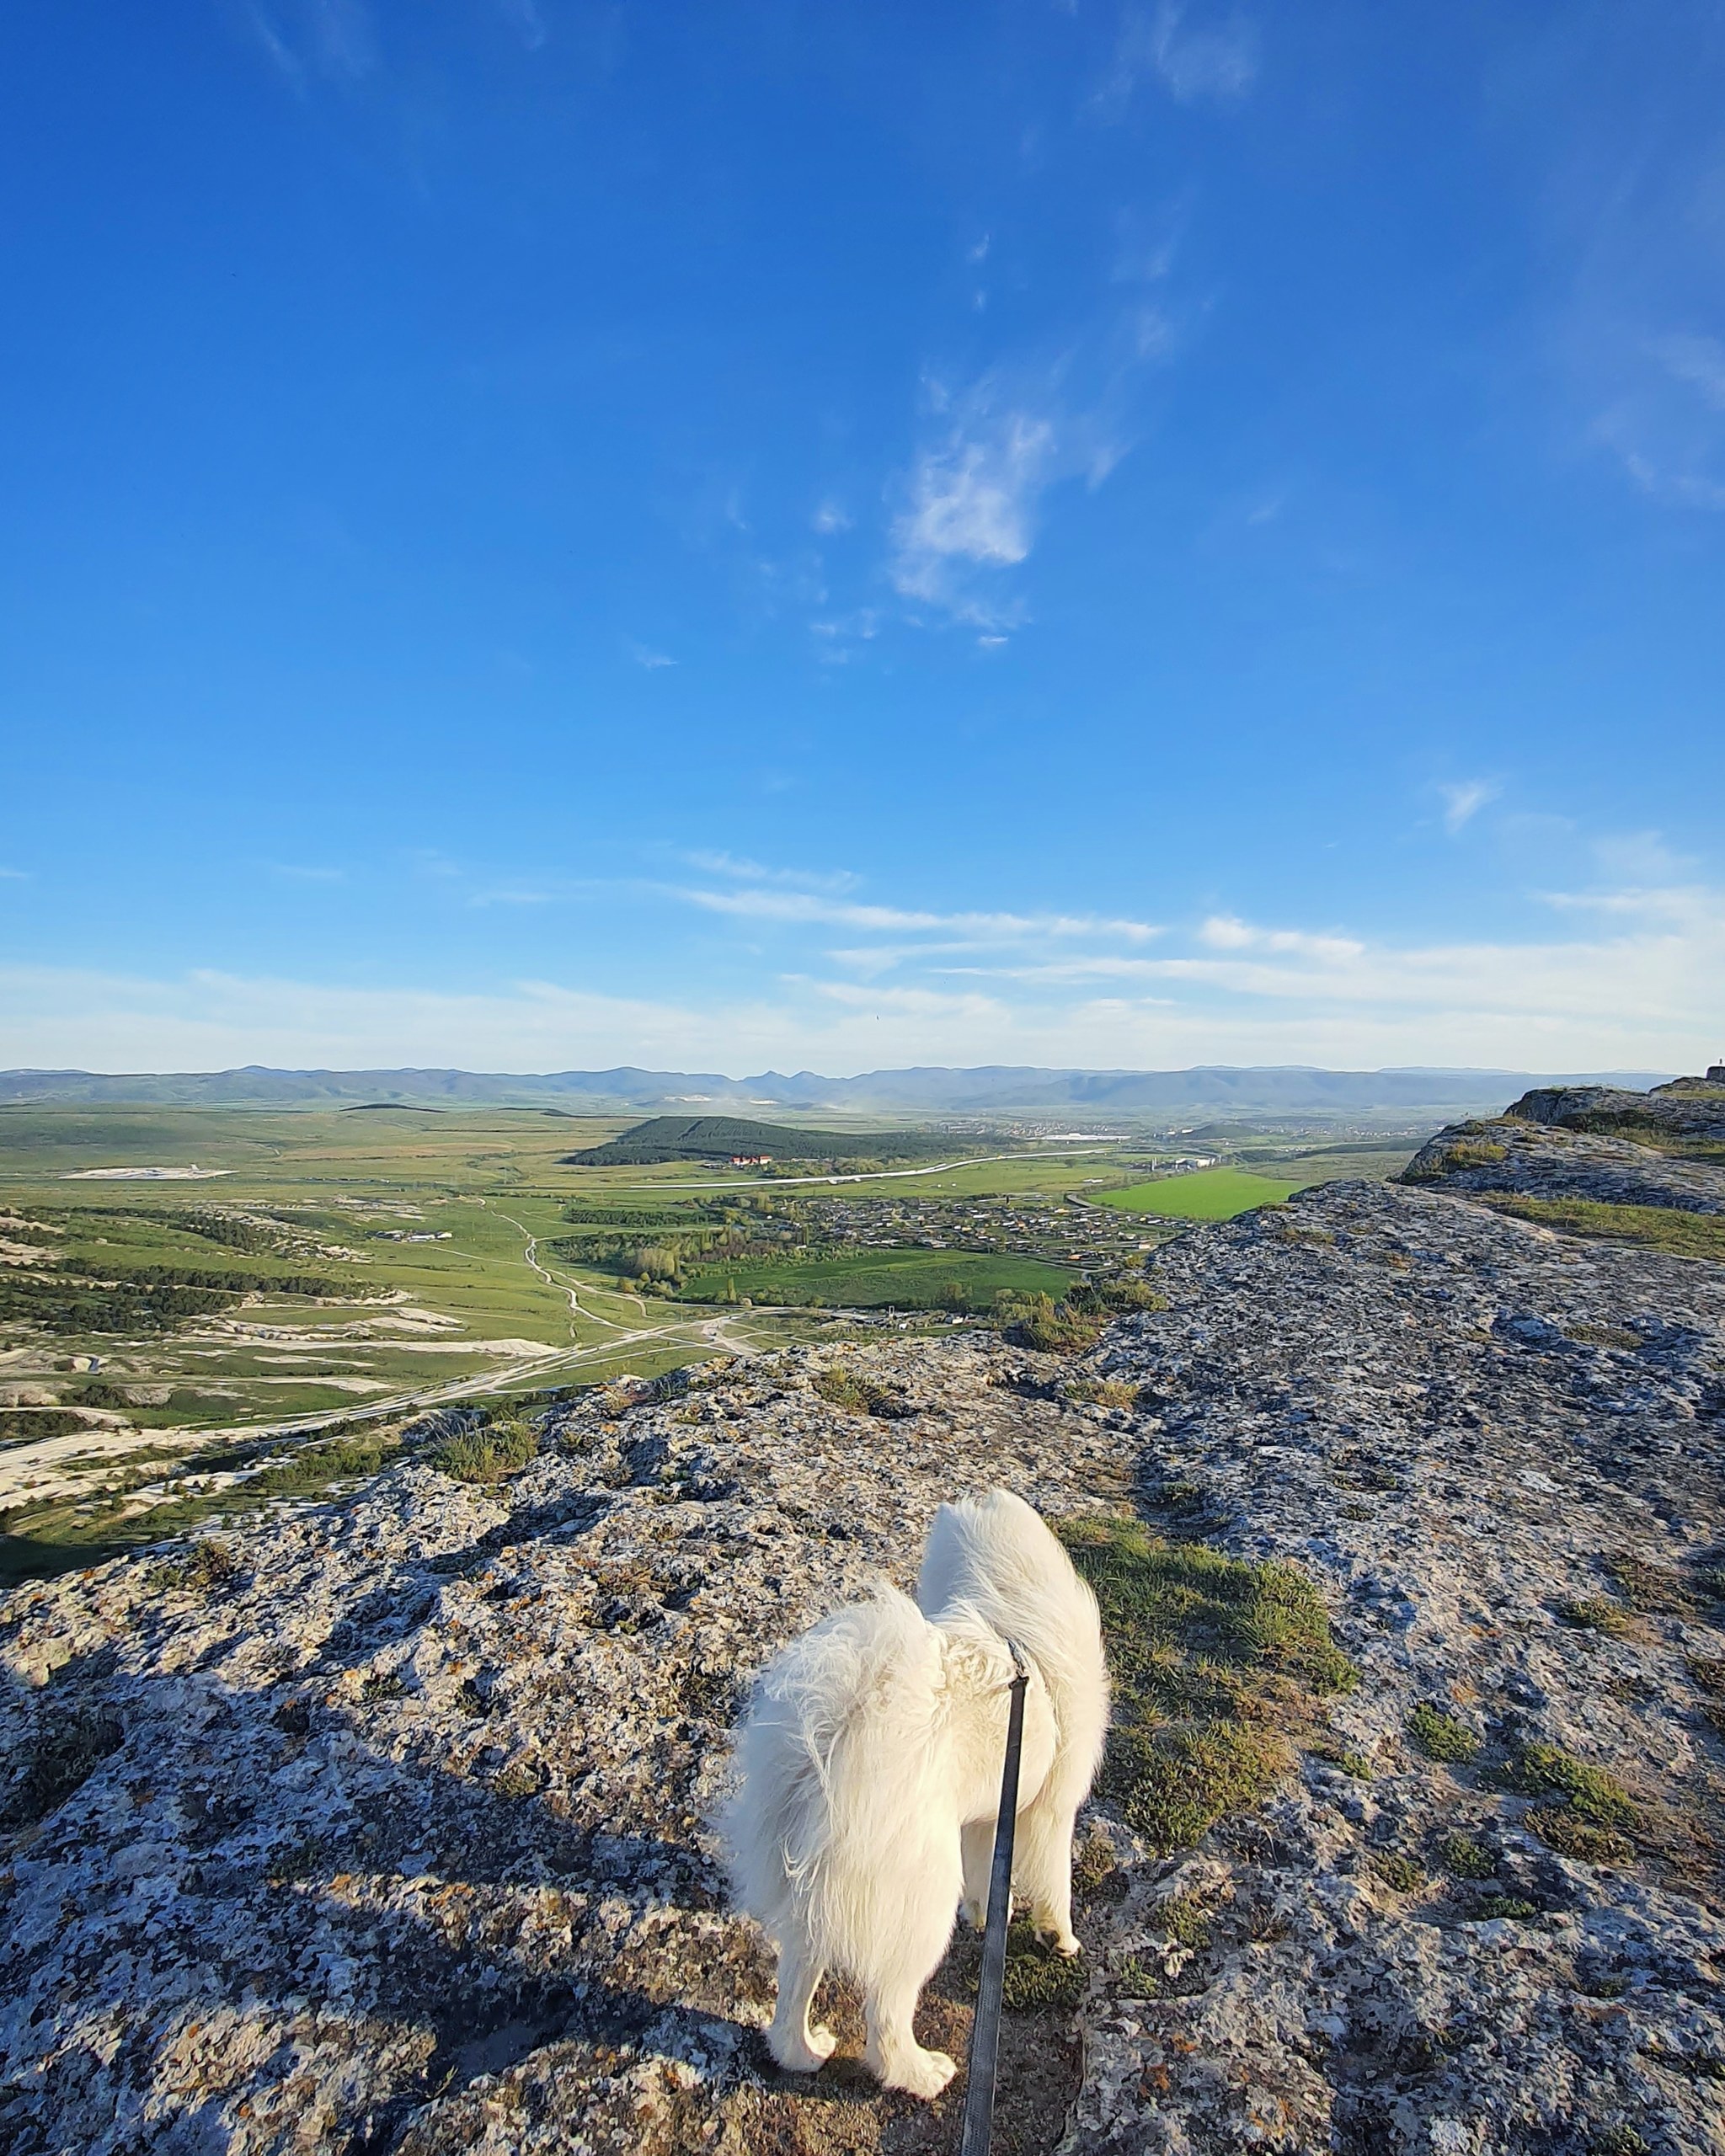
x,y
1063,1942
922,2074
976,1915
796,2056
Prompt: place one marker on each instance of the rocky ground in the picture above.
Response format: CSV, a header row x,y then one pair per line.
x,y
1664,1148
379,1829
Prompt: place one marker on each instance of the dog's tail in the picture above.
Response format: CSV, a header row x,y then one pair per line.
x,y
834,1812
997,1554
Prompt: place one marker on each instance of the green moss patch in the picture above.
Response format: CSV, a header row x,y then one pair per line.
x,y
1208,1654
1036,1977
1563,1828
1397,1871
1595,1798
1440,1736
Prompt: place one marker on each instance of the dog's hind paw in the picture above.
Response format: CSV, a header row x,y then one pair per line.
x,y
976,1915
1065,1943
922,2074
796,2056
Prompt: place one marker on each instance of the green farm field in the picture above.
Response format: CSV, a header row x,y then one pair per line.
x,y
1206,1194
906,1279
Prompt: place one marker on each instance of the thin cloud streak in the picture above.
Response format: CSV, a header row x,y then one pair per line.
x,y
759,905
1463,801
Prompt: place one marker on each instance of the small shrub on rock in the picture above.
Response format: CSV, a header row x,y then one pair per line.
x,y
207,1565
1397,1871
1511,1906
1464,1858
1103,1392
490,1455
517,1779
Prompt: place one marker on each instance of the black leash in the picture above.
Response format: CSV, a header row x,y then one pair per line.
x,y
985,2029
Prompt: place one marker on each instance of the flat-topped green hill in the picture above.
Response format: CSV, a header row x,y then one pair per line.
x,y
724,1137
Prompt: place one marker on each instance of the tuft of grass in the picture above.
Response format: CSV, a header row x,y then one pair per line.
x,y
1054,1328
1619,2141
857,1394
1440,1736
1136,1979
490,1455
1351,1762
1561,1827
1650,1590
1103,1392
1464,1858
1131,1295
1595,1797
1650,1227
1398,1872
1595,1613
1202,1648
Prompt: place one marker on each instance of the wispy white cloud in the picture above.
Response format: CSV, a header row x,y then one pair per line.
x,y
644,655
296,872
14,875
972,500
1637,990
756,903
720,863
1226,932
1193,55
1698,361
830,516
1464,799
973,492
336,39
1642,861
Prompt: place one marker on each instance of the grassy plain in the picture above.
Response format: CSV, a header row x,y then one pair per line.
x,y
1205,1194
150,1428
865,1279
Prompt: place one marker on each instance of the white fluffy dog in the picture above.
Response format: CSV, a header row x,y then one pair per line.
x,y
871,1776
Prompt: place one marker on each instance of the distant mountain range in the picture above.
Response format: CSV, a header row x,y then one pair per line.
x,y
993,1089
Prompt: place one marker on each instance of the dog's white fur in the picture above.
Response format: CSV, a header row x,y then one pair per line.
x,y
871,1776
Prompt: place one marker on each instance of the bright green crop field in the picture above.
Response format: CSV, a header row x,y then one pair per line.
x,y
1206,1194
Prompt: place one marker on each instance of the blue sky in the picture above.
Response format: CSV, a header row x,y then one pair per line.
x,y
539,535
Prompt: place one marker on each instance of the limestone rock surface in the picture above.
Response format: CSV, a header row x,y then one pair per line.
x,y
383,1832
